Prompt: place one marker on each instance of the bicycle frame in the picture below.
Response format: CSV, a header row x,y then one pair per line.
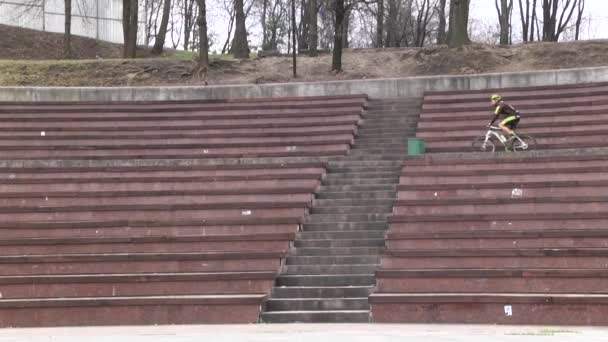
x,y
495,131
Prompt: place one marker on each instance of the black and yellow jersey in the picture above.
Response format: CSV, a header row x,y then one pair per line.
x,y
504,109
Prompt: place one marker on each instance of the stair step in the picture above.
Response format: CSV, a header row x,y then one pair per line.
x,y
327,280
336,242
316,304
363,163
349,316
332,260
321,292
340,235
368,209
346,227
330,269
336,251
358,188
363,175
320,218
356,195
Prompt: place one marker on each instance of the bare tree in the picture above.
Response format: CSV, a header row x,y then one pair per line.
x,y
190,18
441,34
240,46
313,35
67,36
527,22
203,50
380,24
504,10
552,28
129,22
423,18
459,20
579,18
336,62
159,42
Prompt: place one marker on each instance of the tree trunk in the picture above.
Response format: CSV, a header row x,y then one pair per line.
x,y
380,24
504,19
441,36
533,24
392,30
130,17
304,26
203,49
263,19
313,35
240,46
345,27
336,62
458,34
67,35
159,42
579,18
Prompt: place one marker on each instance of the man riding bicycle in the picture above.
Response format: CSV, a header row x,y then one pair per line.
x,y
510,114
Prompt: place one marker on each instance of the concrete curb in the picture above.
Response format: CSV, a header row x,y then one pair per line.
x,y
376,88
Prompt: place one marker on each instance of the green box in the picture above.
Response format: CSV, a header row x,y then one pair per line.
x,y
415,146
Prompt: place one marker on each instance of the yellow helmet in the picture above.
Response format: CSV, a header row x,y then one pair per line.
x,y
495,97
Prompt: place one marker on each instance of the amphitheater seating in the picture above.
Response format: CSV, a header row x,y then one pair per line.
x,y
311,126
570,116
497,239
506,238
142,241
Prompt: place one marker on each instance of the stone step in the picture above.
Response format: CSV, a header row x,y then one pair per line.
x,y
335,251
356,195
352,209
353,202
361,181
378,164
321,292
345,227
370,158
316,304
394,153
325,218
336,242
332,260
330,269
357,188
352,316
393,174
327,280
369,145
337,235
363,169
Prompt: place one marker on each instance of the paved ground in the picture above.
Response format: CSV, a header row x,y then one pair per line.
x,y
309,332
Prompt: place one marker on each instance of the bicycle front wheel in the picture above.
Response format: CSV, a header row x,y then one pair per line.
x,y
525,143
480,144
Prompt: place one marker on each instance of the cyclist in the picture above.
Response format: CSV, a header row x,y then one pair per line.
x,y
510,114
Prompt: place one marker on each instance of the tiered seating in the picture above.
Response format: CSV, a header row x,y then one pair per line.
x,y
571,116
155,241
313,126
518,239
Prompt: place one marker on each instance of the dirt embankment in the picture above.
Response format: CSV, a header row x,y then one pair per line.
x,y
30,58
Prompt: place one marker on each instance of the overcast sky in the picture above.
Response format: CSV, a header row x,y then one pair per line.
x,y
595,10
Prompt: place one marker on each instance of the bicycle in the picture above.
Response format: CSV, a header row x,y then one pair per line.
x,y
517,142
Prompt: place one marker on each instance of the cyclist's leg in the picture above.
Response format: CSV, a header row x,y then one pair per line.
x,y
508,124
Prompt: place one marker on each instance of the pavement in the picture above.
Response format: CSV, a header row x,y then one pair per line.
x,y
308,332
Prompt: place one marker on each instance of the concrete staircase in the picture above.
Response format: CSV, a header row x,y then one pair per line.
x,y
329,273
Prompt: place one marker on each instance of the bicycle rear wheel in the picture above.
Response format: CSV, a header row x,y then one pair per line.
x,y
478,145
529,143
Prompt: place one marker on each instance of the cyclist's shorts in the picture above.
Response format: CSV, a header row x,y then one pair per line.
x,y
510,121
